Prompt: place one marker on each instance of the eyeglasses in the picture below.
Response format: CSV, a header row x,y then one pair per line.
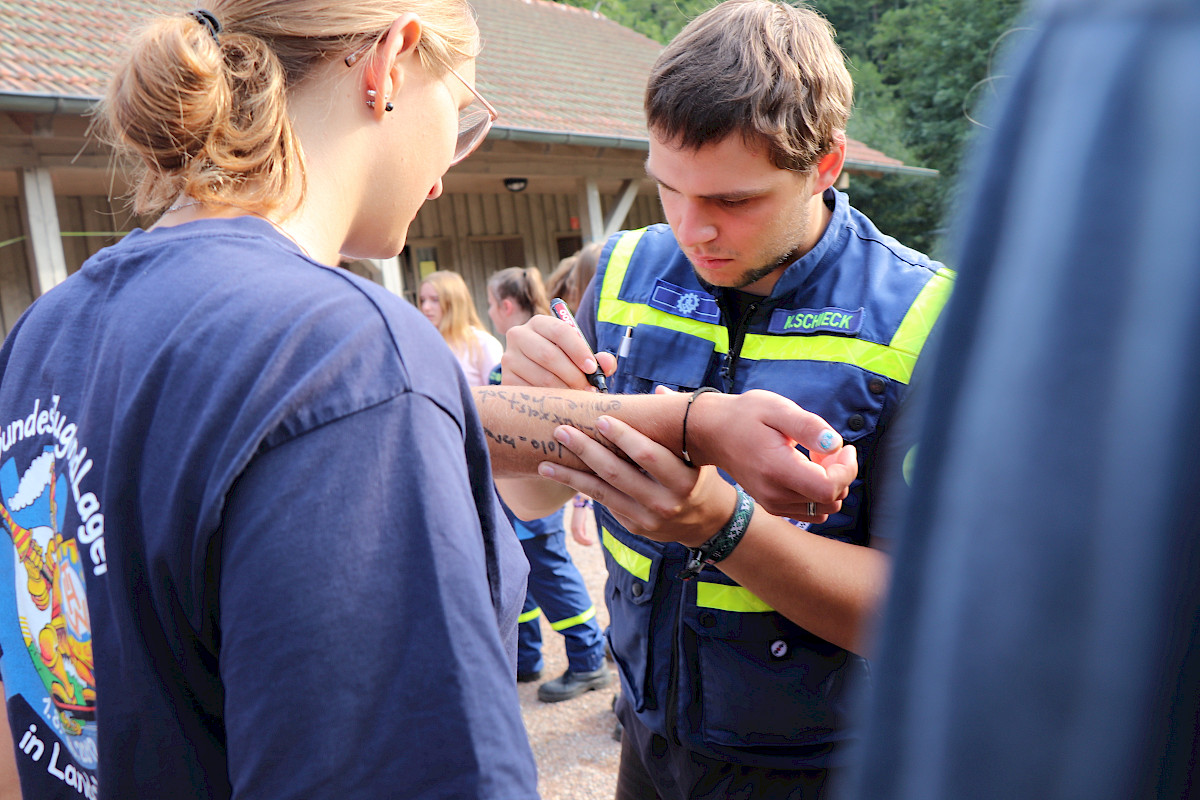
x,y
474,121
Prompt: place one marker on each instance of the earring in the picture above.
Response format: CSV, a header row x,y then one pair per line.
x,y
388,106
371,98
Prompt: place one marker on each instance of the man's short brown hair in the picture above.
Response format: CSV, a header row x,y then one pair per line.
x,y
766,70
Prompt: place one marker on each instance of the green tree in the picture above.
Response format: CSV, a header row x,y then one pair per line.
x,y
921,68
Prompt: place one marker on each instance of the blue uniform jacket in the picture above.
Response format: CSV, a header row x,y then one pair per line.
x,y
706,662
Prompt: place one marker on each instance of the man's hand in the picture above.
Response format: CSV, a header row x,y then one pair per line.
x,y
548,352
753,437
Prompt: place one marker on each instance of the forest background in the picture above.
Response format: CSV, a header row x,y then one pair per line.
x,y
923,70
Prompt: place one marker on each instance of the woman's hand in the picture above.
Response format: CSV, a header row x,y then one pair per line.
x,y
581,514
654,493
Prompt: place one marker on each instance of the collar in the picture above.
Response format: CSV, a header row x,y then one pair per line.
x,y
831,243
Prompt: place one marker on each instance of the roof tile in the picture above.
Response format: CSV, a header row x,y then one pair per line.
x,y
546,66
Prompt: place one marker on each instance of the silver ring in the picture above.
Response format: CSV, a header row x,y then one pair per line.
x,y
812,509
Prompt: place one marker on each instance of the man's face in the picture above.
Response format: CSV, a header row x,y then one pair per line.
x,y
738,218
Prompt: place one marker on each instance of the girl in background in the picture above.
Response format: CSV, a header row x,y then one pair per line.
x,y
555,586
446,302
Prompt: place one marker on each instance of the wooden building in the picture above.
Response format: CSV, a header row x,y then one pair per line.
x,y
562,166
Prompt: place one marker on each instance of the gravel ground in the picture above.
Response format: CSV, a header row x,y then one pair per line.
x,y
572,740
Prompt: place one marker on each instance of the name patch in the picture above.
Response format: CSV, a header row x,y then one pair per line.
x,y
816,320
684,302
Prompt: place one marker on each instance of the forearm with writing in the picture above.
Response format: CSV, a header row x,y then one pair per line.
x,y
519,422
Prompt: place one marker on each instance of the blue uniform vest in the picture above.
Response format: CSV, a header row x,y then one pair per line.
x,y
706,662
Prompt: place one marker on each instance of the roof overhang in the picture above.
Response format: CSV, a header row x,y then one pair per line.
x,y
31,103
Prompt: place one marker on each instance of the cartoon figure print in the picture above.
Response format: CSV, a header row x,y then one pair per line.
x,y
51,596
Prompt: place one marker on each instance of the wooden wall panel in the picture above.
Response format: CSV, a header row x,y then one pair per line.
x,y
508,214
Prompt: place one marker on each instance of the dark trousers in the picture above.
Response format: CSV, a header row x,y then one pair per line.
x,y
652,768
557,588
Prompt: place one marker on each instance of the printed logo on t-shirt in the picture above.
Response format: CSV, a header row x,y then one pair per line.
x,y
48,663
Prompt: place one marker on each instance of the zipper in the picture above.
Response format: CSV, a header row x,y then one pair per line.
x,y
730,362
673,686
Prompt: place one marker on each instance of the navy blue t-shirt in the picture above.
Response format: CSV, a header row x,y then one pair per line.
x,y
1043,635
255,546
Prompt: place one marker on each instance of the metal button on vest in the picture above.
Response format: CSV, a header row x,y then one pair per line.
x,y
708,619
779,648
637,589
857,422
875,385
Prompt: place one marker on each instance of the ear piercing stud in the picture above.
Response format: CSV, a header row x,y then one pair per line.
x,y
372,94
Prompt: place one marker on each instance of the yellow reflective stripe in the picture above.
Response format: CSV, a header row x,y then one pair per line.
x,y
619,312
529,615
570,622
914,329
895,360
618,264
728,598
870,356
630,560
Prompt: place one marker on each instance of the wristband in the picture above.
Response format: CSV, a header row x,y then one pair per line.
x,y
584,503
723,541
687,410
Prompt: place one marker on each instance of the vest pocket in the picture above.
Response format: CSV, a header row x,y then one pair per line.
x,y
761,681
661,356
632,574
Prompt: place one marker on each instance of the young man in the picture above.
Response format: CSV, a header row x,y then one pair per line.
x,y
765,278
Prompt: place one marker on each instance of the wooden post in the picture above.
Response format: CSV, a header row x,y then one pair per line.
x,y
43,237
591,212
618,213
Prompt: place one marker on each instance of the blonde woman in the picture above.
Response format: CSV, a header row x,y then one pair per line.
x,y
446,302
255,484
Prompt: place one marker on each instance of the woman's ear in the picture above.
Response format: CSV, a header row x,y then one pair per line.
x,y
385,75
506,306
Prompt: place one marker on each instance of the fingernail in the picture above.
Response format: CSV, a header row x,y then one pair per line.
x,y
561,436
545,470
602,425
825,440
589,366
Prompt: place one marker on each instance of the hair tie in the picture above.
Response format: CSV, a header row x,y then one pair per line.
x,y
208,20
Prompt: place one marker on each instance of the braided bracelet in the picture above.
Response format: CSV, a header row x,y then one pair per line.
x,y
723,541
582,502
687,410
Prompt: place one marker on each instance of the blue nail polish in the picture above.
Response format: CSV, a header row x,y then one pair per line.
x,y
825,440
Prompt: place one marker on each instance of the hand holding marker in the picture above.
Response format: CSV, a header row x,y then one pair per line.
x,y
562,312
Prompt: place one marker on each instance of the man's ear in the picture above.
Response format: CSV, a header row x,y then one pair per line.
x,y
385,75
829,167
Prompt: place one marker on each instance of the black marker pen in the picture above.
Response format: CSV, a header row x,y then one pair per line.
x,y
562,312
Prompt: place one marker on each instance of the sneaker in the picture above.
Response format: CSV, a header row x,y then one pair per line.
x,y
529,677
572,684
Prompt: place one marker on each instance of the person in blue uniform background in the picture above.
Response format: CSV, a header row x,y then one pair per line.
x,y
738,666
1042,638
556,588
